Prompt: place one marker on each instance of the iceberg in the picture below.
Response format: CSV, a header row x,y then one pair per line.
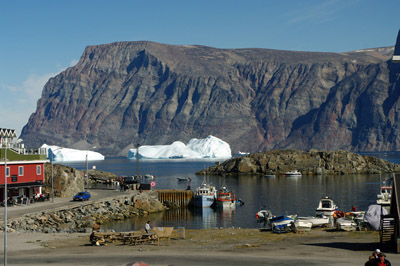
x,y
60,154
210,147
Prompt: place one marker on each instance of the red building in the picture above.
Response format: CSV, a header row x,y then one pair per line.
x,y
25,168
24,178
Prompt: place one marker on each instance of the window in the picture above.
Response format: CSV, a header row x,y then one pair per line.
x,y
20,170
8,171
38,169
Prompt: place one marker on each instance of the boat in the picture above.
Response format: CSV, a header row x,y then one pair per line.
x,y
205,195
184,179
385,196
271,175
357,217
346,224
283,228
282,223
225,198
239,202
148,176
292,173
282,220
326,206
303,225
316,221
264,216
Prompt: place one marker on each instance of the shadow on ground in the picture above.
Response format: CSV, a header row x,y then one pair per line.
x,y
357,246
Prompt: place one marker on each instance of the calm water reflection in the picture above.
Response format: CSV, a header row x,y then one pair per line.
x,y
282,195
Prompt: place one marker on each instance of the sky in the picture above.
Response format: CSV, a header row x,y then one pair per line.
x,y
41,38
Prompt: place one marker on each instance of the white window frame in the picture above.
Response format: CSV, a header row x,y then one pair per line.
x,y
38,169
20,170
8,171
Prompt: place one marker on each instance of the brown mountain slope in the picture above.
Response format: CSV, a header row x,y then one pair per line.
x,y
150,93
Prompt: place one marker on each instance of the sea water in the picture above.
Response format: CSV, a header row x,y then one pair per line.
x,y
280,194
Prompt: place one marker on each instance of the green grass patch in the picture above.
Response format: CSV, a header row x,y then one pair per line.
x,y
13,156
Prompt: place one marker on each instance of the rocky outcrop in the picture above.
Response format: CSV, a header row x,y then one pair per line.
x,y
124,93
67,181
84,217
313,162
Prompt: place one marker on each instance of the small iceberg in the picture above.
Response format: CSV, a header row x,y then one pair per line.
x,y
210,147
60,154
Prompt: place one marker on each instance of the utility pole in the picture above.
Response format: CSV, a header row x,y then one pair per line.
x,y
5,206
137,160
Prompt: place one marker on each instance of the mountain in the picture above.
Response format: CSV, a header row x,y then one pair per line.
x,y
127,93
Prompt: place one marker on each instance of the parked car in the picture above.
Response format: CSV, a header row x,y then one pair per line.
x,y
130,180
84,195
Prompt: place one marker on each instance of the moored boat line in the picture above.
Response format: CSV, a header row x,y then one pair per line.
x,y
349,221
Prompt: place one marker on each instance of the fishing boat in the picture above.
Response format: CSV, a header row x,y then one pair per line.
x,y
294,173
205,195
326,206
225,199
316,221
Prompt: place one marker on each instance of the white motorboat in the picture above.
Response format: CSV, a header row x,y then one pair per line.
x,y
303,225
385,196
294,173
346,224
326,206
205,195
316,221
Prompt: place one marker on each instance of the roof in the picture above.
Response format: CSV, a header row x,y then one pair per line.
x,y
9,133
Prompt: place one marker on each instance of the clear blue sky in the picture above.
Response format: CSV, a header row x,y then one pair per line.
x,y
39,38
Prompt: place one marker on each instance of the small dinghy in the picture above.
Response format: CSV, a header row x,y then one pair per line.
x,y
316,221
303,225
346,224
184,179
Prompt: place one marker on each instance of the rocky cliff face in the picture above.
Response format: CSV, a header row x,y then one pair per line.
x,y
255,99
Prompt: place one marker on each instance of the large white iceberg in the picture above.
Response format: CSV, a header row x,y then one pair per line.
x,y
61,154
210,147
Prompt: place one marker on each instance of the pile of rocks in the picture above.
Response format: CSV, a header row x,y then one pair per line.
x,y
85,216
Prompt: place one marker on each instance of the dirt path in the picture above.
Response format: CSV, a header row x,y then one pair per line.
x,y
202,247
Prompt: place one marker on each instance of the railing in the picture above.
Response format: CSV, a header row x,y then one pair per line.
x,y
20,149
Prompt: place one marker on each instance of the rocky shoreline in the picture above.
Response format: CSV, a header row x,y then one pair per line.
x,y
312,162
83,217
